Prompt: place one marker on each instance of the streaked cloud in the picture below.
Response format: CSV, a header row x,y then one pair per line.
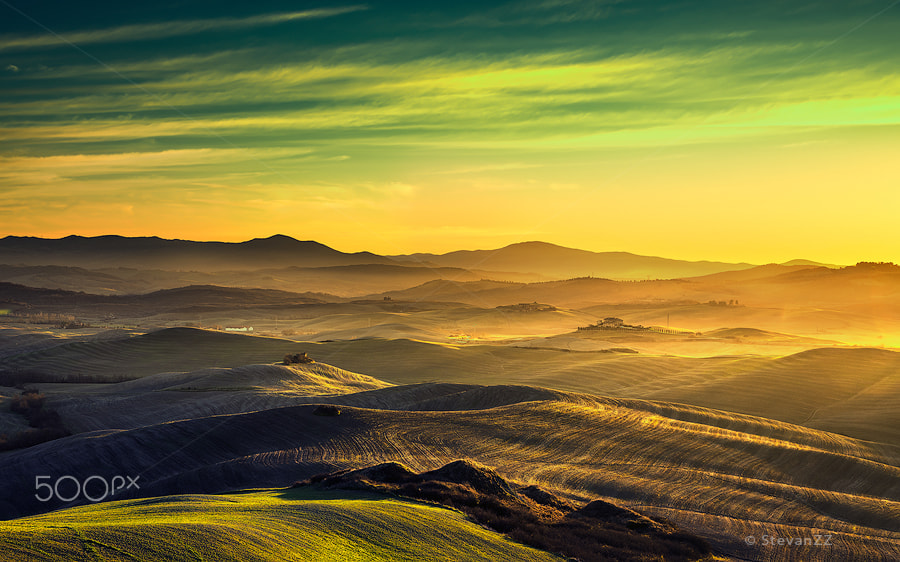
x,y
490,168
400,117
163,30
542,12
55,171
665,97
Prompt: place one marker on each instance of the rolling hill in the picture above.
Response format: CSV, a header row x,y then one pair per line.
x,y
849,391
719,475
750,419
184,300
343,280
260,525
782,286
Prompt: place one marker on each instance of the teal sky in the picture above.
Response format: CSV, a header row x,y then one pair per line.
x,y
757,131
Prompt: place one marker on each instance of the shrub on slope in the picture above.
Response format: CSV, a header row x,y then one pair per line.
x,y
46,425
598,531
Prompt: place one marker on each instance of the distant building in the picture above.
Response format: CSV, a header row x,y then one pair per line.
x,y
611,323
238,328
528,307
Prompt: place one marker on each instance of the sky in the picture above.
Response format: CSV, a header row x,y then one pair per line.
x,y
758,131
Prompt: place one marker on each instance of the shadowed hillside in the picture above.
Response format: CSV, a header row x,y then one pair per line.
x,y
180,299
343,280
178,396
848,391
173,349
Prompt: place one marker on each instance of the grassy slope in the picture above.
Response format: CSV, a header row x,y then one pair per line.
x,y
258,525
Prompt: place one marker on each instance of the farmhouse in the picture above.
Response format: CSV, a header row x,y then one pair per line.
x,y
527,307
611,323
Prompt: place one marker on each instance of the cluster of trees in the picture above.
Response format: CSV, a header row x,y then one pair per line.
x,y
883,265
72,325
20,377
732,302
68,321
46,424
290,359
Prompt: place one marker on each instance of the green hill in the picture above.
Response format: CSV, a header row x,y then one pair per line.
x,y
261,525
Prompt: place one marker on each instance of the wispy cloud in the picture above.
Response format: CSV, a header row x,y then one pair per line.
x,y
56,171
549,96
162,30
541,12
532,98
489,168
405,114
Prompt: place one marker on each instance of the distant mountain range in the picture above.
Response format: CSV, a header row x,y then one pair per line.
x,y
157,253
565,263
283,256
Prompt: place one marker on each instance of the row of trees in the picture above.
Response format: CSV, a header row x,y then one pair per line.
x,y
68,321
732,302
45,424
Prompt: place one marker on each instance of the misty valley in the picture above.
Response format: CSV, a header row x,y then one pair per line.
x,y
214,408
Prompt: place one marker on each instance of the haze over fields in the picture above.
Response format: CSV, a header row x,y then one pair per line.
x,y
746,401
512,280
